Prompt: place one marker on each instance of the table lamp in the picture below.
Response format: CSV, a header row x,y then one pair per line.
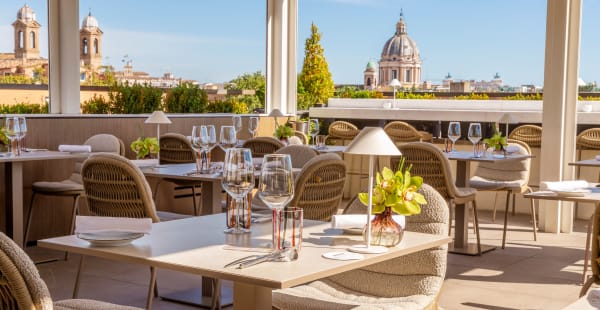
x,y
276,113
507,118
371,141
395,83
158,117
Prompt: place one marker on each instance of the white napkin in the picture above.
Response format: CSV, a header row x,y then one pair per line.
x,y
95,224
358,220
564,186
75,148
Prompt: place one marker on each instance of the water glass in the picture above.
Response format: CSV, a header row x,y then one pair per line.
x,y
253,125
287,230
474,136
276,183
237,123
454,133
239,214
238,181
227,137
320,141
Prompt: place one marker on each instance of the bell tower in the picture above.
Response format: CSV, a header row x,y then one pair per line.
x,y
27,39
90,42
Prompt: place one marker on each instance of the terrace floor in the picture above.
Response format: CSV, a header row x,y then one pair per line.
x,y
526,275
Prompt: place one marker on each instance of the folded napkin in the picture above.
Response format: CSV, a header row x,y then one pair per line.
x,y
358,220
75,148
564,186
145,162
96,224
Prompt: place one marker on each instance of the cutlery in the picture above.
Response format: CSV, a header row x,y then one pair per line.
x,y
286,255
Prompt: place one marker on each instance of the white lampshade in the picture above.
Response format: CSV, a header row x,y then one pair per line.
x,y
158,117
372,141
395,83
507,118
276,113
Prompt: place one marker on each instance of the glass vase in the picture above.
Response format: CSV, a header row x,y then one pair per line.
x,y
384,230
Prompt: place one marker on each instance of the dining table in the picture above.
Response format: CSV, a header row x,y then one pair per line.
x,y
463,160
13,186
197,245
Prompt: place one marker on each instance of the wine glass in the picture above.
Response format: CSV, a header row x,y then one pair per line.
x,y
474,136
238,181
227,137
22,132
12,131
253,125
237,123
208,140
313,128
276,183
454,133
197,146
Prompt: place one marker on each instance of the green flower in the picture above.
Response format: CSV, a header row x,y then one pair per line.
x,y
496,141
396,190
144,147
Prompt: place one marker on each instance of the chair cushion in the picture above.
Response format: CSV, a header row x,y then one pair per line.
x,y
490,185
87,304
57,187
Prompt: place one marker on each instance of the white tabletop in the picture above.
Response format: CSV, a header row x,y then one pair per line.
x,y
38,155
586,162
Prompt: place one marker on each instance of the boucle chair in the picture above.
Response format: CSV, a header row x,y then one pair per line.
x,y
177,149
530,134
401,132
21,286
300,154
429,162
342,130
261,146
320,186
71,187
511,176
412,281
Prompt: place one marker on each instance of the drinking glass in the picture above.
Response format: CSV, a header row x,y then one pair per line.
x,y
237,123
22,132
276,183
238,181
208,140
227,137
454,133
474,136
313,128
197,146
12,131
253,125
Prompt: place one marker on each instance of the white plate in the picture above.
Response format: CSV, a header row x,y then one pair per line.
x,y
342,255
110,238
573,193
353,231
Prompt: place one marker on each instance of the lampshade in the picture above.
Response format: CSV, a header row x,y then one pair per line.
x,y
395,83
372,141
276,113
507,118
158,117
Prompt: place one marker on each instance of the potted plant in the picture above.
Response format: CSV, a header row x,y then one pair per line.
x,y
145,147
282,132
394,192
497,142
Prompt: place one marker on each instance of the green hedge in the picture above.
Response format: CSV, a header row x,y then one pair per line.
x,y
24,108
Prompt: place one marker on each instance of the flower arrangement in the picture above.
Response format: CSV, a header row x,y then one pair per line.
x,y
145,147
397,191
284,131
496,141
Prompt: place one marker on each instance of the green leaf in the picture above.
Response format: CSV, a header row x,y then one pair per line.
x,y
364,198
387,173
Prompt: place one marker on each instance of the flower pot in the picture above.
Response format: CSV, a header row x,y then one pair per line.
x,y
384,230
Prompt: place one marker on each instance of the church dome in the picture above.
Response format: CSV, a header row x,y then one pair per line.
x,y
89,22
26,14
371,66
400,46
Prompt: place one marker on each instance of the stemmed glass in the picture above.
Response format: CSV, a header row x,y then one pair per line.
x,y
227,137
474,136
207,139
313,128
12,131
454,133
253,125
238,181
197,146
237,123
22,132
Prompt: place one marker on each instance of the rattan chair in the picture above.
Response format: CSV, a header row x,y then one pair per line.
x,y
429,162
21,286
300,154
302,136
115,187
401,132
530,134
342,130
177,149
588,139
320,186
412,281
510,176
261,146
71,187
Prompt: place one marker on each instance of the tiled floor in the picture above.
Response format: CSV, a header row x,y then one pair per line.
x,y
526,275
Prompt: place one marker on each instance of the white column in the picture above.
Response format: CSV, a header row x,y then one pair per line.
x,y
563,23
282,33
63,50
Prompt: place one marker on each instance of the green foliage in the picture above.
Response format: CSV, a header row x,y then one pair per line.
x,y
15,79
135,99
284,131
24,108
315,78
230,105
589,98
144,147
496,141
473,96
251,81
411,95
520,96
186,98
96,105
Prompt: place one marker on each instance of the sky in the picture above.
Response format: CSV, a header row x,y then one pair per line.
x,y
215,41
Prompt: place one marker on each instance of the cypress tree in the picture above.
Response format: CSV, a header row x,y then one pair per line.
x,y
315,82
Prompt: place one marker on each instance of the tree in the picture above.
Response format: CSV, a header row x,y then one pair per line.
x,y
250,81
315,82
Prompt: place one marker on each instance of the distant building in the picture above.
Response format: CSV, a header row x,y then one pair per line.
x,y
138,77
400,60
495,85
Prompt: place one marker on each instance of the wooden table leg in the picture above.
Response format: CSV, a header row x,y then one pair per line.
x,y
247,296
211,197
14,201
